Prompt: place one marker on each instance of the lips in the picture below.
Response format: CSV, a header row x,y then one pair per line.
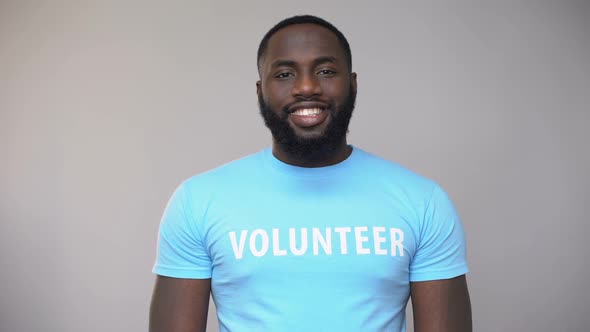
x,y
307,105
308,116
307,111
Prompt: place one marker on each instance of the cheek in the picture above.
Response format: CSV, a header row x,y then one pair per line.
x,y
276,95
336,91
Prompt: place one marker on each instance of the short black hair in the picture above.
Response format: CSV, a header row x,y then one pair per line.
x,y
304,19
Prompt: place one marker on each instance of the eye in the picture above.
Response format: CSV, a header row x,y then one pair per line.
x,y
326,72
283,75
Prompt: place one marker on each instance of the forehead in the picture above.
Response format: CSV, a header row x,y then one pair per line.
x,y
301,41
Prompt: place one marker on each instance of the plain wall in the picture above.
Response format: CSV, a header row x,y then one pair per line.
x,y
106,106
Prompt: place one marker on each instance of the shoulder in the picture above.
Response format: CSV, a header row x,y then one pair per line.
x,y
238,168
233,174
391,174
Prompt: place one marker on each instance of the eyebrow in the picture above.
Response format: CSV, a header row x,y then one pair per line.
x,y
291,63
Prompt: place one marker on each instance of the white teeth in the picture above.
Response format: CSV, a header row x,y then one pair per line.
x,y
308,111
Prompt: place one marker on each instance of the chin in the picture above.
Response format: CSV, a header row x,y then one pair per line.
x,y
310,135
311,132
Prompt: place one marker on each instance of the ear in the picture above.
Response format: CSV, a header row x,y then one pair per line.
x,y
258,87
353,81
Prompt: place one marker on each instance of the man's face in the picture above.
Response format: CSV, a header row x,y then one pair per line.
x,y
306,91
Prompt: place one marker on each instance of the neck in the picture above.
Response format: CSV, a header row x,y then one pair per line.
x,y
319,158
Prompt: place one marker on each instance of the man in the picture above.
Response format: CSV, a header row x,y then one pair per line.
x,y
313,234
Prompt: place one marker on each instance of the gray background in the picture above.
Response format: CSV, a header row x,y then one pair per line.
x,y
105,106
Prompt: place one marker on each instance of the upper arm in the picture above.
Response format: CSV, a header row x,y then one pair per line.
x,y
183,267
441,305
438,287
182,251
179,305
440,252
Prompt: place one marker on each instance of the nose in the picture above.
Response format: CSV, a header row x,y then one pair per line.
x,y
306,86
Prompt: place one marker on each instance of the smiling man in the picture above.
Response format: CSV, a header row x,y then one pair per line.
x,y
312,234
306,93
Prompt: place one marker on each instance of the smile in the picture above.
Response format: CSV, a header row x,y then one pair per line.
x,y
308,111
308,117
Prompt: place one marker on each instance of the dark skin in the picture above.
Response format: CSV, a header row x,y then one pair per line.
x,y
306,61
441,305
179,305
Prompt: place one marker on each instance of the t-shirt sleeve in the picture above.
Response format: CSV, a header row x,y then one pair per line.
x,y
441,247
181,250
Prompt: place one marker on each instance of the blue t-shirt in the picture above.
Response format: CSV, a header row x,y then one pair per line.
x,y
310,249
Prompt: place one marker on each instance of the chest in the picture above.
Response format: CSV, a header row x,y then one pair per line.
x,y
345,236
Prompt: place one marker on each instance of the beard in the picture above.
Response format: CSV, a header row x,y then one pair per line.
x,y
309,148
